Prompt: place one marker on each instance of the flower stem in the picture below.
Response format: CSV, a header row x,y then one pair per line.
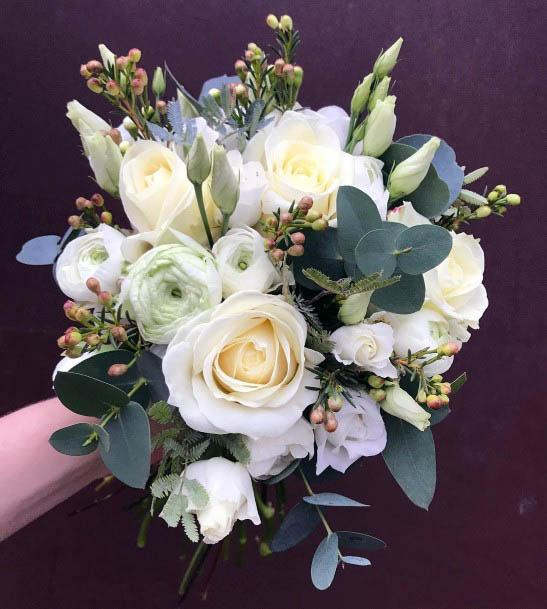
x,y
136,387
195,563
225,222
201,204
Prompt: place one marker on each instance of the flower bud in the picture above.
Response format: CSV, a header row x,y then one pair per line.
x,y
94,84
380,127
97,199
105,298
444,399
278,255
320,224
119,333
286,217
483,211
378,395
74,221
493,196
106,217
82,314
108,57
158,82
93,285
298,75
502,189
376,381
317,415
72,338
124,146
408,175
513,199
224,182
121,62
134,55
117,370
353,308
335,403
279,64
305,203
361,95
81,203
241,91
285,23
141,74
449,349
241,69
445,388
161,107
298,238
380,92
198,165
249,55
331,423
92,340
433,402
137,85
272,21
129,124
215,94
296,250
61,343
113,88
313,215
84,72
387,60
288,72
436,378
94,67
269,244
115,135
421,397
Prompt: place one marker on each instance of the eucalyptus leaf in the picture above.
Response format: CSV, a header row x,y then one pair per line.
x,y
457,384
284,474
88,396
321,252
296,526
39,251
404,297
333,500
359,541
150,366
69,440
428,246
410,457
375,252
324,563
356,560
217,82
129,455
439,415
104,438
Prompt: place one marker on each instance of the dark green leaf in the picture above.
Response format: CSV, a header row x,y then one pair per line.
x,y
69,440
404,297
359,541
439,415
104,438
375,252
410,457
284,474
88,396
324,563
39,251
296,526
321,252
458,383
333,500
429,245
150,367
129,455
356,560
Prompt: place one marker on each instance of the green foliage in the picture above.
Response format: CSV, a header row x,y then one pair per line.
x,y
319,340
150,368
332,500
235,445
284,474
359,541
375,252
197,493
164,485
174,509
359,561
404,297
70,440
190,526
160,412
346,287
40,250
427,246
457,384
300,522
321,252
325,562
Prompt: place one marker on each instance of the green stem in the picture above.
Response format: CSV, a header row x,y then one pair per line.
x,y
136,387
143,530
195,562
201,204
225,222
352,122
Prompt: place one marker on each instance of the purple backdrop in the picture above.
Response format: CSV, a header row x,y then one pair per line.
x,y
471,73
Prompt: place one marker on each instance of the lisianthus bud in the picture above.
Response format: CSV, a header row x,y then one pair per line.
x,y
134,55
331,423
105,298
94,66
108,57
124,146
129,124
198,165
320,224
483,211
387,60
272,21
224,182
298,238
279,64
513,199
377,382
119,333
93,285
158,82
94,84
378,395
361,95
285,23
421,397
400,404
74,221
449,349
380,127
354,308
296,250
84,72
380,92
117,370
106,217
408,175
433,402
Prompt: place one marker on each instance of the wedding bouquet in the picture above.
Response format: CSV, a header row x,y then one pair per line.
x,y
282,298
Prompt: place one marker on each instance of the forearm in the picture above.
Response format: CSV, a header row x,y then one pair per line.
x,y
33,476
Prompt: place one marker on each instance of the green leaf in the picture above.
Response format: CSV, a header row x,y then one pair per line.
x,y
322,280
356,215
410,457
160,412
296,526
104,438
149,366
88,396
359,541
174,508
129,455
162,486
321,252
332,500
190,526
197,493
457,384
356,560
324,563
369,284
404,297
375,252
284,474
439,415
69,440
235,445
429,245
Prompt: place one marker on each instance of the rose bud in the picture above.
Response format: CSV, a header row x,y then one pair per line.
x,y
317,415
106,217
298,238
296,250
433,401
93,285
105,298
84,72
97,199
94,84
278,255
119,333
305,203
117,370
94,66
335,403
74,221
330,424
134,55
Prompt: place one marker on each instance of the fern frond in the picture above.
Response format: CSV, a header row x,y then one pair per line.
x,y
197,493
190,526
319,340
160,412
369,284
235,445
322,280
174,509
163,485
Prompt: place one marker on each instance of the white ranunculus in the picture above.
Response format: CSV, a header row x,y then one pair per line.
x,y
243,263
360,433
401,405
270,456
241,368
407,215
231,497
368,345
252,182
455,287
168,286
156,193
95,254
303,155
426,328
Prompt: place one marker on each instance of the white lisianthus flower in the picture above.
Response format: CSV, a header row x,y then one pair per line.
x,y
426,328
231,497
455,287
105,160
368,345
168,286
270,456
252,182
243,263
401,405
241,368
156,193
360,433
407,215
303,155
86,122
380,127
96,254
409,174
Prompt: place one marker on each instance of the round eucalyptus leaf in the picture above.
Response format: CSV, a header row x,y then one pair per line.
x,y
404,297
70,440
324,563
359,561
39,251
375,252
427,246
321,252
104,438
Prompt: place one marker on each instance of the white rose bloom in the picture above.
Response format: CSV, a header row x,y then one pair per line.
x,y
231,497
360,433
400,404
303,155
270,456
156,193
252,182
96,254
242,262
455,287
168,286
407,215
241,368
366,345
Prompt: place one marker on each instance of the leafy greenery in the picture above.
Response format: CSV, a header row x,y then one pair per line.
x,y
359,541
160,412
70,440
346,287
300,522
332,500
325,562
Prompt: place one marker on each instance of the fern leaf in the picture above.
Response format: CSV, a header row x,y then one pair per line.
x,y
160,412
190,526
235,445
171,445
162,486
319,340
196,452
322,280
174,509
196,493
370,283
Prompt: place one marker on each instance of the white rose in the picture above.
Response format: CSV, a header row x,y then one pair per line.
x,y
231,497
96,254
242,262
399,403
156,193
168,286
270,456
360,433
455,287
303,156
242,367
252,182
368,345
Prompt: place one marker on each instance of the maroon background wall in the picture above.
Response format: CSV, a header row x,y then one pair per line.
x,y
471,72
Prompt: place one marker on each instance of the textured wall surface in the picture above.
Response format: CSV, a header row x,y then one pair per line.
x,y
471,72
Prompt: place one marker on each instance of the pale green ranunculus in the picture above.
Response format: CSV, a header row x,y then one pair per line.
x,y
399,403
105,160
168,286
409,174
380,127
